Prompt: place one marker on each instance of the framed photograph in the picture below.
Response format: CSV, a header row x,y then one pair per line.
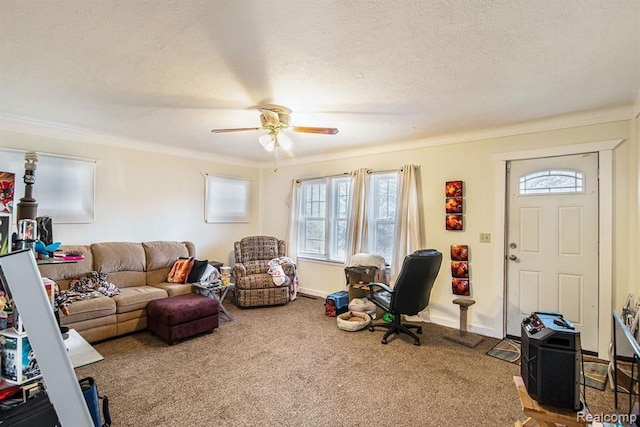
x,y
459,253
454,222
226,199
453,189
460,286
453,205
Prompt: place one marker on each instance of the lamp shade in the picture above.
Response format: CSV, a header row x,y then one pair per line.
x,y
284,141
266,141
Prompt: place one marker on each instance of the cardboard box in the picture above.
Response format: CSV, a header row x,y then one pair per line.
x,y
18,361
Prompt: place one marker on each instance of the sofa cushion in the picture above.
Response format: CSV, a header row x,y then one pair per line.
x,y
88,309
161,254
137,297
126,279
180,270
157,276
173,289
110,257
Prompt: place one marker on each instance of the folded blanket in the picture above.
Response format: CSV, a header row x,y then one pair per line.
x,y
279,278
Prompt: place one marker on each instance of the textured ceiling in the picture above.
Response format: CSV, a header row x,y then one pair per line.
x,y
383,72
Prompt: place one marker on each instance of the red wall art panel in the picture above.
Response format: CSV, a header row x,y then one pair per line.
x,y
454,205
460,270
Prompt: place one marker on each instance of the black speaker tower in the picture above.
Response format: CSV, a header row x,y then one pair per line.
x,y
550,360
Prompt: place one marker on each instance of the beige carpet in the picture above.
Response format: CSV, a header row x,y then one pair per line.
x,y
292,366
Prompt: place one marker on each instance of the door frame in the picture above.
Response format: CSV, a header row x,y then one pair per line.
x,y
605,230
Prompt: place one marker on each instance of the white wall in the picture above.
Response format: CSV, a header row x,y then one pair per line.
x,y
142,196
146,196
472,163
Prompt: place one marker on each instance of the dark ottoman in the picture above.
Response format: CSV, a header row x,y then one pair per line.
x,y
182,316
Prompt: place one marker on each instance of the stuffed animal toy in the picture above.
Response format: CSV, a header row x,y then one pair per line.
x,y
44,251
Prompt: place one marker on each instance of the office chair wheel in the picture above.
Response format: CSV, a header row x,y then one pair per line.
x,y
384,341
417,342
419,330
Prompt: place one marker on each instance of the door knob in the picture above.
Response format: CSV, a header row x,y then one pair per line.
x,y
513,257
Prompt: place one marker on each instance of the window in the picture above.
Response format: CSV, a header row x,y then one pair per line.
x,y
324,216
382,219
552,181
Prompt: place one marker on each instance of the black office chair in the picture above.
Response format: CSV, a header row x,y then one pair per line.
x,y
410,295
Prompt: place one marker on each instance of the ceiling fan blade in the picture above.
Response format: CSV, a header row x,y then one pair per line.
x,y
322,131
232,130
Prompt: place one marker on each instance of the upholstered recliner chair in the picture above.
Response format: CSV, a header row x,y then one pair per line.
x,y
254,285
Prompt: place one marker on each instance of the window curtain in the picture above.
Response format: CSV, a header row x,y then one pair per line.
x,y
294,219
408,224
357,233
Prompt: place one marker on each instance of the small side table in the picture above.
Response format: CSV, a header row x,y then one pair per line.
x,y
215,290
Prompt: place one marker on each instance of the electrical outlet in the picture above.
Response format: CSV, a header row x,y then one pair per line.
x,y
485,237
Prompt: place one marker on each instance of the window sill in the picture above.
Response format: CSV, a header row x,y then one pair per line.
x,y
319,261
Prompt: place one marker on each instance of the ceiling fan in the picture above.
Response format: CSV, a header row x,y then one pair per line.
x,y
274,118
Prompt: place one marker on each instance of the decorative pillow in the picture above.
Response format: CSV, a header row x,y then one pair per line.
x,y
180,270
197,270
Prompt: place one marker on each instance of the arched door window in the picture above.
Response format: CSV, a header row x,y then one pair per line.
x,y
552,181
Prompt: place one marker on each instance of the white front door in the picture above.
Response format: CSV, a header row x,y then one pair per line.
x,y
552,242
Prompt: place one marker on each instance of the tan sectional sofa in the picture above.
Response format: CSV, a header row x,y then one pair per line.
x,y
140,271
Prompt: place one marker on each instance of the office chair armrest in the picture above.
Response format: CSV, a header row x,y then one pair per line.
x,y
380,285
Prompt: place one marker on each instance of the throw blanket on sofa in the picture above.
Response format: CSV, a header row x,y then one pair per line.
x,y
90,285
277,273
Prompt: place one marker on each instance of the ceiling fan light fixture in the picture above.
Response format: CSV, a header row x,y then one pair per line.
x,y
267,141
284,141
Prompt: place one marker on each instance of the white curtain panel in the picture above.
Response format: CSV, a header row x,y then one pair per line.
x,y
294,217
357,233
408,226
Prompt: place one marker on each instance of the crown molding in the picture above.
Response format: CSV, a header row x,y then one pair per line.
x,y
595,117
86,136
55,130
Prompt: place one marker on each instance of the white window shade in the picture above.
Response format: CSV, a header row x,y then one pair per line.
x,y
64,188
226,199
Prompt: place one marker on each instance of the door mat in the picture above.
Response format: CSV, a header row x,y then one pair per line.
x,y
595,370
508,350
